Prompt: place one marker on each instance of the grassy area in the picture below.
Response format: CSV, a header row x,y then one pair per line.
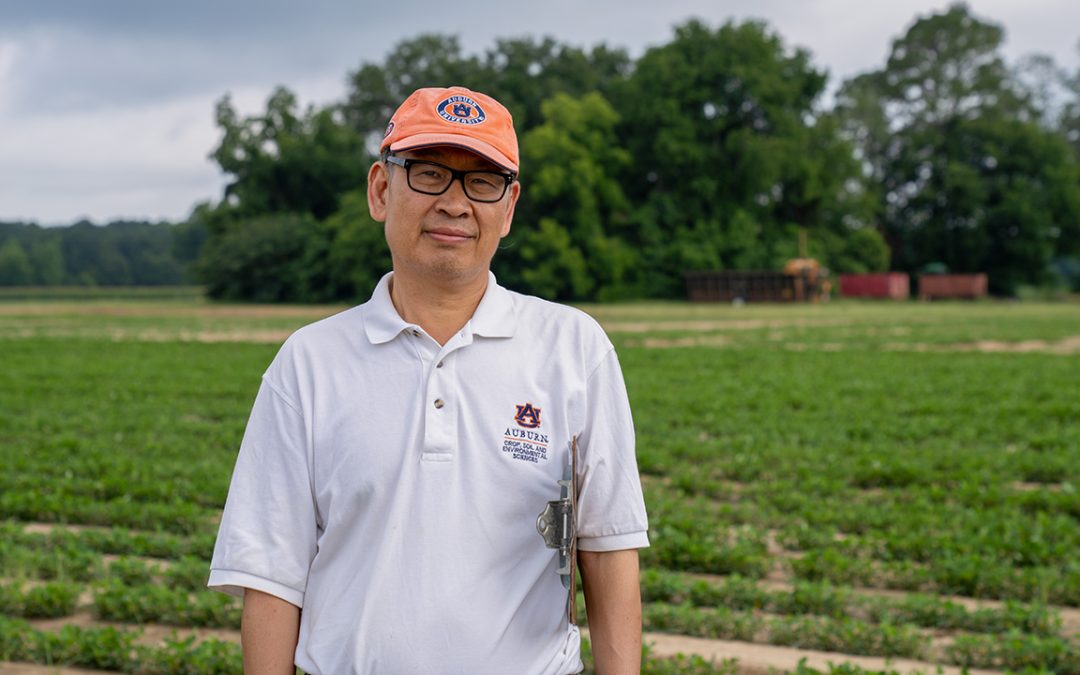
x,y
931,449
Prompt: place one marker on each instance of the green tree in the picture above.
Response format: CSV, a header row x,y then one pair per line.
x,y
948,66
15,268
728,151
862,250
952,149
284,161
1070,114
526,73
521,73
572,207
548,263
376,90
357,254
1044,87
263,259
93,258
188,238
47,259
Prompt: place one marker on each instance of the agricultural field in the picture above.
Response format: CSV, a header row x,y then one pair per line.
x,y
845,488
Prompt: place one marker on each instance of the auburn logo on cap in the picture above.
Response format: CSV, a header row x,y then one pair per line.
x,y
461,110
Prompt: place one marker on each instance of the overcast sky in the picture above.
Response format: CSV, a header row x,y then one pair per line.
x,y
106,106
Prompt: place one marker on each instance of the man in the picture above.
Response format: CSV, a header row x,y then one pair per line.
x,y
398,454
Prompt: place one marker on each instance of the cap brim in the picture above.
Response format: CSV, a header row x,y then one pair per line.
x,y
485,150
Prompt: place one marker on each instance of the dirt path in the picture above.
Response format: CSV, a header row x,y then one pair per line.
x,y
153,634
698,326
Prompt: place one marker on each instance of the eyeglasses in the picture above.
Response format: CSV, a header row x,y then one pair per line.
x,y
432,178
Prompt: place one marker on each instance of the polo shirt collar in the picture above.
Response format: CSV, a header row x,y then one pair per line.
x,y
494,316
381,321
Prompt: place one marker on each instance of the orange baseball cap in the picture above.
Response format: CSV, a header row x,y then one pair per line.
x,y
454,116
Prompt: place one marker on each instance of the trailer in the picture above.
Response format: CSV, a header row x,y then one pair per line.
x,y
952,286
890,285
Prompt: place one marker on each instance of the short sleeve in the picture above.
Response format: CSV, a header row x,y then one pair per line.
x,y
611,507
267,536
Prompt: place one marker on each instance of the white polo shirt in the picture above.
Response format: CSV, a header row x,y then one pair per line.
x,y
390,486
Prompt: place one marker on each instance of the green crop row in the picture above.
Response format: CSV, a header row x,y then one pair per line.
x,y
128,600
699,546
116,541
984,555
59,507
972,576
826,600
1016,652
102,478
114,649
808,632
1013,650
45,601
143,603
186,574
65,562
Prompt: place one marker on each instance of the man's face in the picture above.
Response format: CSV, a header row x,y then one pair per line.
x,y
441,238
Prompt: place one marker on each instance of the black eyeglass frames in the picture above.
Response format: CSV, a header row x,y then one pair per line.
x,y
432,178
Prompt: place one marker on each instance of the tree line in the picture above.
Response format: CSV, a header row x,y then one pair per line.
x,y
712,151
122,253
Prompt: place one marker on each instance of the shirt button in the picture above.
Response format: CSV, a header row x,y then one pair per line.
x,y
439,364
439,403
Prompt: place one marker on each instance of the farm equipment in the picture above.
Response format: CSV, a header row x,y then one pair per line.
x,y
812,283
802,280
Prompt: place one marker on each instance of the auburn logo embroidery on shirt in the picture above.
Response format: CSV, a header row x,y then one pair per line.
x,y
527,416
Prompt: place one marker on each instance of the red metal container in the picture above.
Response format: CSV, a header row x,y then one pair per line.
x,y
893,285
941,286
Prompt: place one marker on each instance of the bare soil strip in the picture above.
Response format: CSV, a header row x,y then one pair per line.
x,y
1065,346
262,336
152,634
712,325
1022,486
47,528
689,341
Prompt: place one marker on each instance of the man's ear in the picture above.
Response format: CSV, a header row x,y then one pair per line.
x,y
515,192
378,184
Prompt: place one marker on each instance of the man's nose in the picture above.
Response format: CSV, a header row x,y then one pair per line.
x,y
454,202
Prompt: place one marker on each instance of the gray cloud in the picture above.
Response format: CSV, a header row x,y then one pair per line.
x,y
106,106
